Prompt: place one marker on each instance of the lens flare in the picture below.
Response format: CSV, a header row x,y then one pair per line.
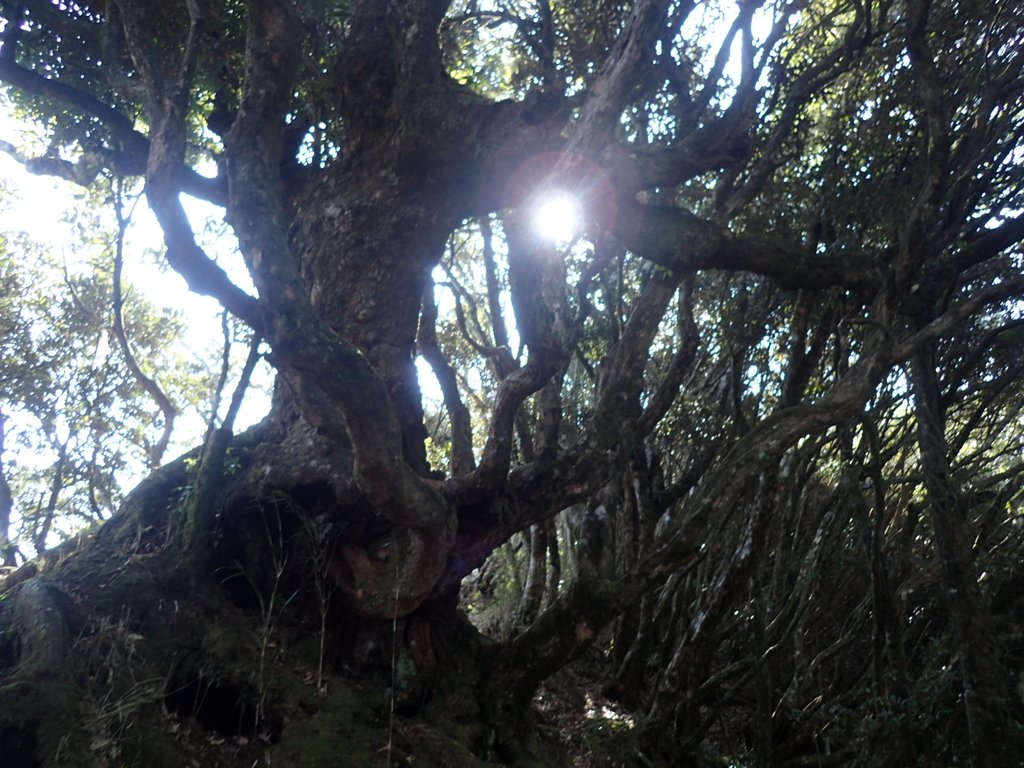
x,y
557,216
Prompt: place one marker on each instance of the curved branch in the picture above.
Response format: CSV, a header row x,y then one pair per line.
x,y
539,489
202,274
682,361
462,429
955,315
154,390
168,106
712,147
575,620
537,281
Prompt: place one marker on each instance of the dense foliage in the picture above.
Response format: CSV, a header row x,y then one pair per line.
x,y
742,452
92,379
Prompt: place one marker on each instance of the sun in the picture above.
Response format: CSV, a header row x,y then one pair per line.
x,y
557,216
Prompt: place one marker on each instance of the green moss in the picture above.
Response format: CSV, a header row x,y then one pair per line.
x,y
129,589
345,728
44,718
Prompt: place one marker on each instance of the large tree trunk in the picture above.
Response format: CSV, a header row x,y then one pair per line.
x,y
292,592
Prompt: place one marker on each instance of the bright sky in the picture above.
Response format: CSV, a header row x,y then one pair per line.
x,y
37,206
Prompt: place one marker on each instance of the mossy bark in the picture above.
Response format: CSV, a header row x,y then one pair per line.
x,y
123,653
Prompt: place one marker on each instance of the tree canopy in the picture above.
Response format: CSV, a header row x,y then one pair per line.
x,y
738,451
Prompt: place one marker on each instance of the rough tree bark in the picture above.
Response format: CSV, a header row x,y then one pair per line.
x,y
341,258
984,693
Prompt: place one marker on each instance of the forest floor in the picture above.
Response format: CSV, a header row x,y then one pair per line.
x,y
164,679
595,730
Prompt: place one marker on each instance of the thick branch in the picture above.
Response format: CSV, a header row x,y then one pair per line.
x,y
167,105
711,147
981,675
130,161
120,126
203,274
617,412
559,635
574,621
990,243
678,240
627,62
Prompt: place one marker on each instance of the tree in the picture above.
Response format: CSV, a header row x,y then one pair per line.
x,y
754,434
83,414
